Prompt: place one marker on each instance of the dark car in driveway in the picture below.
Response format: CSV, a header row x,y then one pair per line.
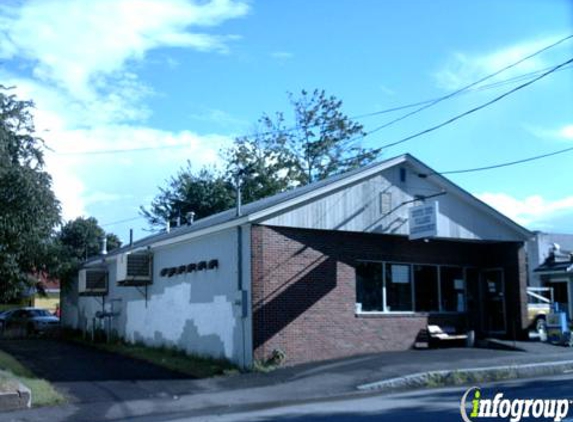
x,y
29,321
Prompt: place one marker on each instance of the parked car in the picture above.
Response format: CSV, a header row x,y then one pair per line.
x,y
30,320
539,305
3,315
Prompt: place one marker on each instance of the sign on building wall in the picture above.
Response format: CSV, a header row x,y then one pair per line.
x,y
423,221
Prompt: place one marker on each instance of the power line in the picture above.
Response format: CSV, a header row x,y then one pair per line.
x,y
478,89
473,110
457,117
424,105
466,87
515,79
121,151
506,164
470,170
361,116
122,221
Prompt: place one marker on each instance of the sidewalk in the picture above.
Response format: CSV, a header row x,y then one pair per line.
x,y
303,383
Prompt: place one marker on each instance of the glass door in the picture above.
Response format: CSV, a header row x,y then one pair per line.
x,y
493,294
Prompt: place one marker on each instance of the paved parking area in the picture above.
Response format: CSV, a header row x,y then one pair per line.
x,y
86,374
98,381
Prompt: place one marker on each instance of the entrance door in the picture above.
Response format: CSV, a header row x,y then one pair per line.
x,y
562,295
493,294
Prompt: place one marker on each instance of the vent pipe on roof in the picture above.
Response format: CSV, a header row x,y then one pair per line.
x,y
238,199
190,217
130,237
238,190
103,245
167,226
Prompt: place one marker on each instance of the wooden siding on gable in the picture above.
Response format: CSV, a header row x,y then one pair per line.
x,y
380,204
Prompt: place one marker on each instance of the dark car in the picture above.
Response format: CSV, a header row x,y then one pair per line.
x,y
29,320
4,315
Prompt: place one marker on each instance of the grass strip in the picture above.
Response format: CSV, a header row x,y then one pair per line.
x,y
172,358
12,371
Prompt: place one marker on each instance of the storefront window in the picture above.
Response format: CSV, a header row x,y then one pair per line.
x,y
392,287
398,288
426,288
452,289
369,286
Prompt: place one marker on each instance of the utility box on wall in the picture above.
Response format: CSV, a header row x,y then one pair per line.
x,y
93,282
134,269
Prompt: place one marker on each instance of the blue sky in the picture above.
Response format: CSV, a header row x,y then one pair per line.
x,y
128,74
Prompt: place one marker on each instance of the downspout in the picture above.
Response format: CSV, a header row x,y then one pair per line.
x,y
242,294
243,305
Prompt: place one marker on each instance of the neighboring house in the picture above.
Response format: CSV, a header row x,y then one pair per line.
x,y
323,271
49,298
551,265
45,294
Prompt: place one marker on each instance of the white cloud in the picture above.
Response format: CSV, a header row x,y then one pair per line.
x,y
462,68
70,190
81,44
75,143
533,211
78,60
386,90
282,55
563,133
220,117
69,169
566,132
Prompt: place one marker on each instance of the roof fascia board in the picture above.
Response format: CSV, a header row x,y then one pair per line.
x,y
563,271
172,240
199,233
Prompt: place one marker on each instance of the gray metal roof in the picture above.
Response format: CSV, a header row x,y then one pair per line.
x,y
266,203
247,209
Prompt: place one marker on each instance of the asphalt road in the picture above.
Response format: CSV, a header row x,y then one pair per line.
x,y
111,388
439,405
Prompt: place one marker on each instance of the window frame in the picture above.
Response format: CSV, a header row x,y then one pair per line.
x,y
385,311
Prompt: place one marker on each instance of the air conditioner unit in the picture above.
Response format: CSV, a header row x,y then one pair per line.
x,y
134,269
92,281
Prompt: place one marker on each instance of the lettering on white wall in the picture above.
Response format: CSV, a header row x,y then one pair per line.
x,y
213,264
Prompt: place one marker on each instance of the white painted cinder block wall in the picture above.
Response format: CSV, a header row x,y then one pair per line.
x,y
199,312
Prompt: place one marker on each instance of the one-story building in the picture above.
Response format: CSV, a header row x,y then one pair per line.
x,y
357,263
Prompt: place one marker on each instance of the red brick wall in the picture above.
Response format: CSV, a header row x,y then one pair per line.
x,y
304,290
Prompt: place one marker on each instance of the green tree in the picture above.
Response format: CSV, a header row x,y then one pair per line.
x,y
263,168
83,237
29,210
77,241
203,193
322,141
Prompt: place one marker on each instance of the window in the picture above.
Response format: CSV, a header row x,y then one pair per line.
x,y
398,288
452,289
426,288
369,286
393,287
385,203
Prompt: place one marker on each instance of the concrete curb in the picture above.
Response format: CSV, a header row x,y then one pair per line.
x,y
21,398
469,375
